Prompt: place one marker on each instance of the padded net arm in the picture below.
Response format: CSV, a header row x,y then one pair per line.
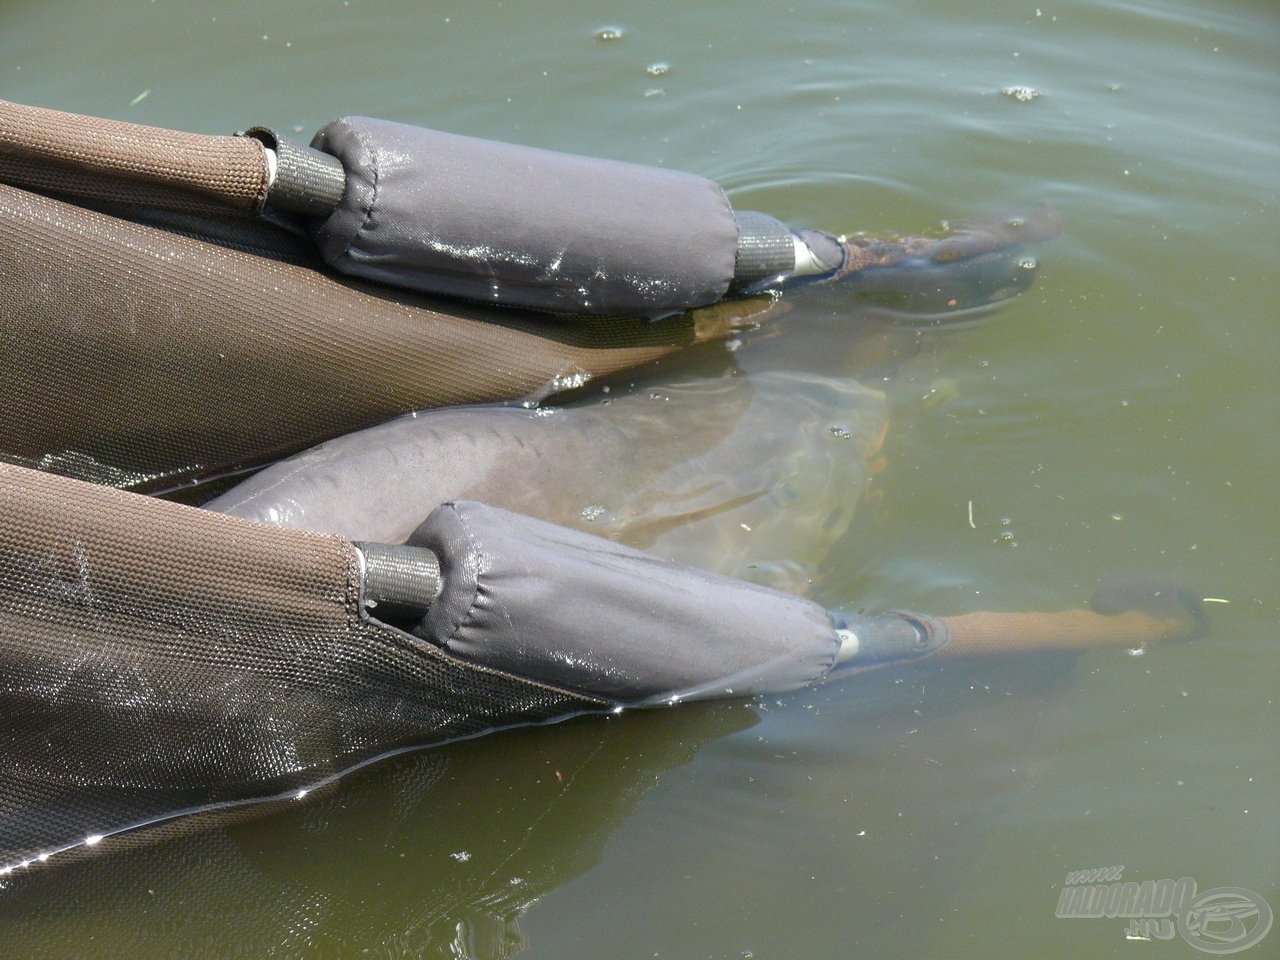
x,y
143,359
155,659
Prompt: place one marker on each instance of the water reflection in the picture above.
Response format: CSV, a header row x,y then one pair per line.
x,y
435,854
441,853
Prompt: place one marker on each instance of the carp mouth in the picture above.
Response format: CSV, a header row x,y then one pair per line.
x,y
927,292
958,276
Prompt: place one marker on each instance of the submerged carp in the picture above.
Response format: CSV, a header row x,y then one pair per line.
x,y
750,476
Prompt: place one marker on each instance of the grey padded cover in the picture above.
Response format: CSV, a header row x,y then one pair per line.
x,y
522,226
578,611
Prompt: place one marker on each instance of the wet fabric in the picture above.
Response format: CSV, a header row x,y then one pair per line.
x,y
157,658
414,208
349,871
53,151
145,359
501,223
583,613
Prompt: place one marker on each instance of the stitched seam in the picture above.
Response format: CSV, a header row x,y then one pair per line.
x,y
358,616
471,543
728,210
373,199
569,691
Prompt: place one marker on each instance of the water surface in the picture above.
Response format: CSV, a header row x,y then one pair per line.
x,y
1118,419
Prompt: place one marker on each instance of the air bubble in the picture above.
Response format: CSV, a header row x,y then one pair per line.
x,y
570,381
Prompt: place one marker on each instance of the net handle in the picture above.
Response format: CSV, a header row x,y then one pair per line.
x,y
51,150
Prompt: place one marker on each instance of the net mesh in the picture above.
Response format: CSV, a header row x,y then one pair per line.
x,y
373,868
156,659
110,159
145,359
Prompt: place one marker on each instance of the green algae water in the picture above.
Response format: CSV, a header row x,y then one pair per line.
x,y
1117,420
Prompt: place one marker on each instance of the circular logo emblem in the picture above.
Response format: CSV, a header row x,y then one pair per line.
x,y
1225,920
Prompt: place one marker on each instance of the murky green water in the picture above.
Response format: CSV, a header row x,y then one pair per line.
x,y
1118,419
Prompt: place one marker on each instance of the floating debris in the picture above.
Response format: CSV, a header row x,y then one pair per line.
x,y
608,34
139,98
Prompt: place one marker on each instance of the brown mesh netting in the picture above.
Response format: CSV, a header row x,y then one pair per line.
x,y
109,159
156,658
143,359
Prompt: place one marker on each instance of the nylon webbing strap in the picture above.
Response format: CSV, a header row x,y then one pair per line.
x,y
109,159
